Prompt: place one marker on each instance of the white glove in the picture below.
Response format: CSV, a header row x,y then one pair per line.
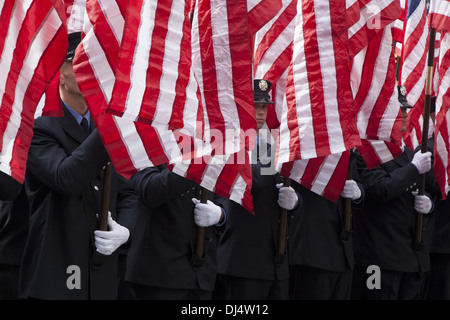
x,y
422,203
107,242
206,214
422,161
287,198
351,190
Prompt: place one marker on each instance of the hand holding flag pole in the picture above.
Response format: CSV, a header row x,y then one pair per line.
x,y
347,227
200,234
426,116
106,192
282,226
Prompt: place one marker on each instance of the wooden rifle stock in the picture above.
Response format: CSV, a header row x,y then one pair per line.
x,y
348,204
106,193
283,224
200,235
426,116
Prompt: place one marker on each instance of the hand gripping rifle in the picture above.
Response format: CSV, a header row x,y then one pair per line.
x,y
198,257
98,259
347,220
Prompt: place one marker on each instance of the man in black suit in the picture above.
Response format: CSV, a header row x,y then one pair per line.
x,y
162,264
13,232
63,187
248,265
384,229
320,251
438,281
9,187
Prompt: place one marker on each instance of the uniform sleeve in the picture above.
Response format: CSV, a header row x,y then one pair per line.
x,y
127,205
383,185
156,186
65,173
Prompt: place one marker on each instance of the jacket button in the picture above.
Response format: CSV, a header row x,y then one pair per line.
x,y
96,188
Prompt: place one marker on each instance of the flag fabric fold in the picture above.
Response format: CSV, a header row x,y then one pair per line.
x,y
135,145
439,18
366,18
413,71
439,14
318,113
33,46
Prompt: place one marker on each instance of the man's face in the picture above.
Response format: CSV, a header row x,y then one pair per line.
x,y
67,79
261,114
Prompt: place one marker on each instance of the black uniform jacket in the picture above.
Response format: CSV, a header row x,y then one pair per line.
x,y
440,240
248,245
13,229
9,187
384,229
161,252
315,234
60,239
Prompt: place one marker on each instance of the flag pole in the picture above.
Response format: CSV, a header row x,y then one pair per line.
x,y
347,220
200,233
98,259
283,224
426,117
106,191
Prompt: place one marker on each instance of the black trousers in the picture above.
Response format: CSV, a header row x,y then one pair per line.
x,y
438,279
9,282
237,288
309,283
394,285
141,292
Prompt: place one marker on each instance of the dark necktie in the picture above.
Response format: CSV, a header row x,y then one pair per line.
x,y
85,126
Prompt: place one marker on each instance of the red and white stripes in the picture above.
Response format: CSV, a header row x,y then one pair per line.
x,y
221,58
440,19
366,18
375,90
318,118
33,44
439,14
413,72
134,145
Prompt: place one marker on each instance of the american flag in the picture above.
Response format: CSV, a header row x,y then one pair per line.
x,y
399,24
373,81
229,176
273,54
221,58
377,152
374,84
33,46
273,44
366,18
440,14
319,102
50,104
260,12
439,18
134,145
322,175
413,72
154,64
375,90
